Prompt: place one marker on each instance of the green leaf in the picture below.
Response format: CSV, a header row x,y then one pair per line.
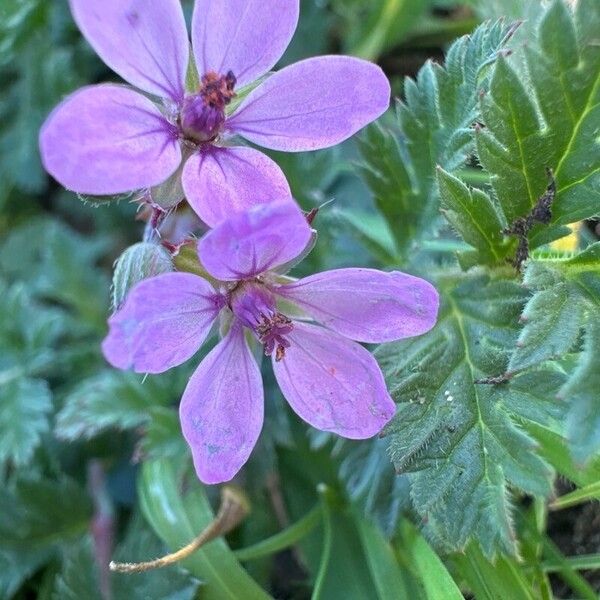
x,y
59,265
434,576
167,583
554,448
460,439
37,513
384,169
565,300
29,332
581,392
39,65
581,562
114,400
499,580
343,571
162,434
17,565
178,518
390,578
566,294
371,230
550,551
371,484
522,137
435,120
79,577
475,218
79,574
25,405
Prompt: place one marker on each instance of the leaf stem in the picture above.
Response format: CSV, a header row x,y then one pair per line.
x,y
284,539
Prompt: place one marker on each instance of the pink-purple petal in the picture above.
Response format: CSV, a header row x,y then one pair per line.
x,y
144,41
246,37
221,411
257,240
219,182
367,305
108,139
332,383
163,322
312,104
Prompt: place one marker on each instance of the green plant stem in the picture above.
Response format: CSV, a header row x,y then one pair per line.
x,y
584,494
284,539
578,563
541,521
566,571
372,46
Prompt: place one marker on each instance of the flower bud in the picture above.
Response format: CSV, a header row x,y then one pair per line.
x,y
138,262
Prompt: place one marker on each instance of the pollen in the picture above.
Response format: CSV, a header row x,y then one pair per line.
x,y
271,333
203,114
217,90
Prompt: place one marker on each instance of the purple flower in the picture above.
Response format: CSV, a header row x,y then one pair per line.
x,y
110,139
331,382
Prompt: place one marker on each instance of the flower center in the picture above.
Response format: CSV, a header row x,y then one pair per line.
x,y
203,114
255,306
271,333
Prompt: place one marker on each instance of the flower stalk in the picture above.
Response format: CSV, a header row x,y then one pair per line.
x,y
233,510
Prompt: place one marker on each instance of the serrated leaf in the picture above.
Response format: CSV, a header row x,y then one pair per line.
x,y
436,128
79,574
168,584
162,434
25,405
459,440
555,126
384,169
59,265
40,64
564,293
16,565
28,332
79,577
114,400
582,393
37,513
474,216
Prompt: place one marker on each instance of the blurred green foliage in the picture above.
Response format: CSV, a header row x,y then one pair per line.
x,y
462,507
